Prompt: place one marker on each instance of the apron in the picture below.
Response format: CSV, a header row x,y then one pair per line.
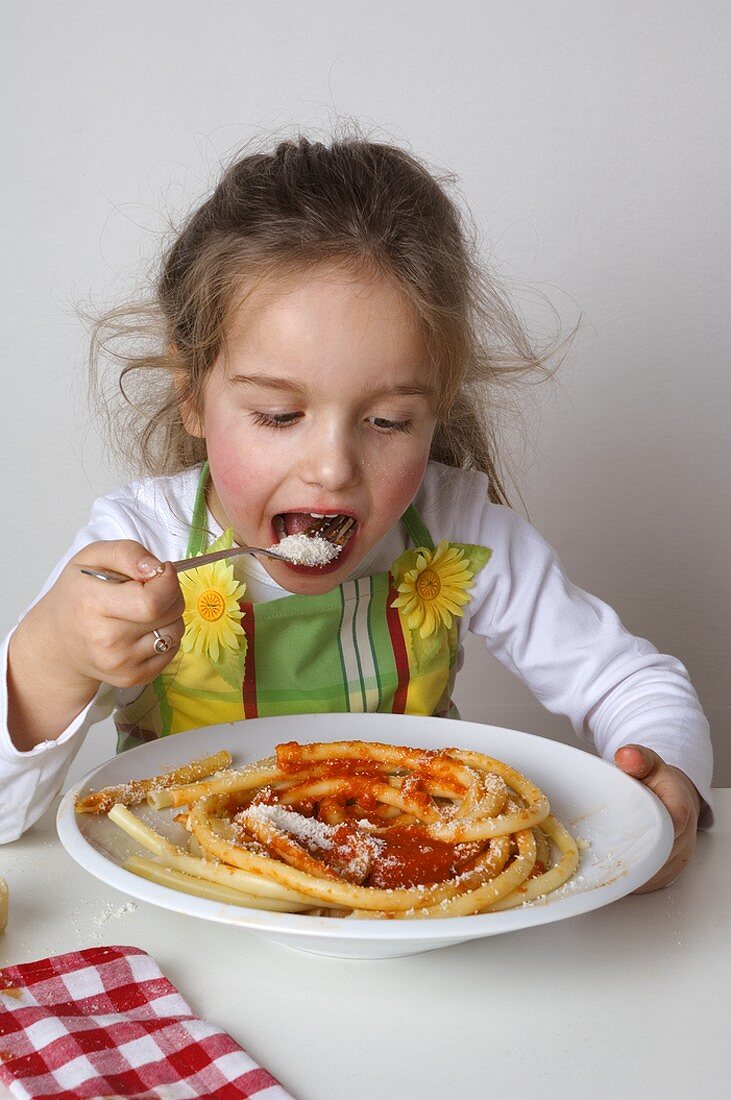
x,y
346,650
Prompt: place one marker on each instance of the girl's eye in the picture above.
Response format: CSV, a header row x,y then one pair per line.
x,y
384,425
285,420
275,420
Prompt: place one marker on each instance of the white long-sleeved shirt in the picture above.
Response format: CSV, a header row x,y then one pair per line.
x,y
567,646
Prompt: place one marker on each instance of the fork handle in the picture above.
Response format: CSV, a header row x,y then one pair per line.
x,y
206,559
219,555
105,574
184,563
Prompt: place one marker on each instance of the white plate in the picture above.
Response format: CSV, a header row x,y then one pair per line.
x,y
628,832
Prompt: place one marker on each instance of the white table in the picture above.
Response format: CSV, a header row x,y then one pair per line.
x,y
628,1001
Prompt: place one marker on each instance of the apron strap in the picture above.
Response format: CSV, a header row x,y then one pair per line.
x,y
416,528
197,542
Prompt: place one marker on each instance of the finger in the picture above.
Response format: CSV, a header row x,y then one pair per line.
x,y
673,788
171,632
144,604
115,631
159,599
680,857
637,761
678,795
121,556
134,660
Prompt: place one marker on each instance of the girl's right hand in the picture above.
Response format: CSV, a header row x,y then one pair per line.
x,y
105,629
84,632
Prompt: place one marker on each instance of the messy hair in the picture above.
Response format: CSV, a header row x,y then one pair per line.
x,y
353,203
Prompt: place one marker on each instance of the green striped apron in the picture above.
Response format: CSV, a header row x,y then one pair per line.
x,y
347,649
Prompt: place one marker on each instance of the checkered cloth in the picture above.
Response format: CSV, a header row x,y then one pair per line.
x,y
105,1022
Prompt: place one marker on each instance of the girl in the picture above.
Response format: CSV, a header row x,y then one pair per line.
x,y
325,342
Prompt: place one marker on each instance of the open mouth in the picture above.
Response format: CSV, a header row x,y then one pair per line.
x,y
335,528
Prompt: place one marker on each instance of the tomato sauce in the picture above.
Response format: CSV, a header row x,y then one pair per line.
x,y
400,856
408,857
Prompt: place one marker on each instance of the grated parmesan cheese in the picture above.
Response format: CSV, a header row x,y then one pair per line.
x,y
305,550
297,825
352,856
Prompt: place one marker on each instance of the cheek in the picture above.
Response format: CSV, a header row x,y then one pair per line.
x,y
238,470
399,482
224,462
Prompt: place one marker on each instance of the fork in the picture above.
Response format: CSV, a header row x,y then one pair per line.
x,y
188,563
334,530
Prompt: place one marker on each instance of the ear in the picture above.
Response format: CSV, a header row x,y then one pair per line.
x,y
189,413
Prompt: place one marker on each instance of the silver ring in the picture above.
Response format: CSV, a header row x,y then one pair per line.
x,y
162,642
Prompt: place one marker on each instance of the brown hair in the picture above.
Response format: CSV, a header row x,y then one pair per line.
x,y
353,202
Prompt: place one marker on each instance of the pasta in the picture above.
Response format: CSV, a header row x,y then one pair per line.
x,y
350,829
136,791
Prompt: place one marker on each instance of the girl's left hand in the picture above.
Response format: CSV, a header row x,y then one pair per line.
x,y
680,799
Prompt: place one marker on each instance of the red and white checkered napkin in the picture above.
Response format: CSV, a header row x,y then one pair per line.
x,y
105,1022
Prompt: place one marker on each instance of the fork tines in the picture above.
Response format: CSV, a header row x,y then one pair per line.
x,y
335,530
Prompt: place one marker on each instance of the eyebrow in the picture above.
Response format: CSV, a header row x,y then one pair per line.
x,y
291,385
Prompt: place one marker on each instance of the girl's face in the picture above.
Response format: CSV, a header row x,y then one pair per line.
x,y
321,405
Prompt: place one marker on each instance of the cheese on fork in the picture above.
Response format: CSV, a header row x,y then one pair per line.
x,y
306,550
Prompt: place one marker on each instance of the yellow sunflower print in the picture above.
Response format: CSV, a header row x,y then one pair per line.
x,y
435,589
212,615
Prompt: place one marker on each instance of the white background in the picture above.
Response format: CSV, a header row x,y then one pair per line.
x,y
591,141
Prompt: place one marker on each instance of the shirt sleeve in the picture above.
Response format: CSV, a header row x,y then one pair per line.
x,y
29,781
578,659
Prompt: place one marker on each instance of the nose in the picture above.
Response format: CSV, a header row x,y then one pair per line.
x,y
331,459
